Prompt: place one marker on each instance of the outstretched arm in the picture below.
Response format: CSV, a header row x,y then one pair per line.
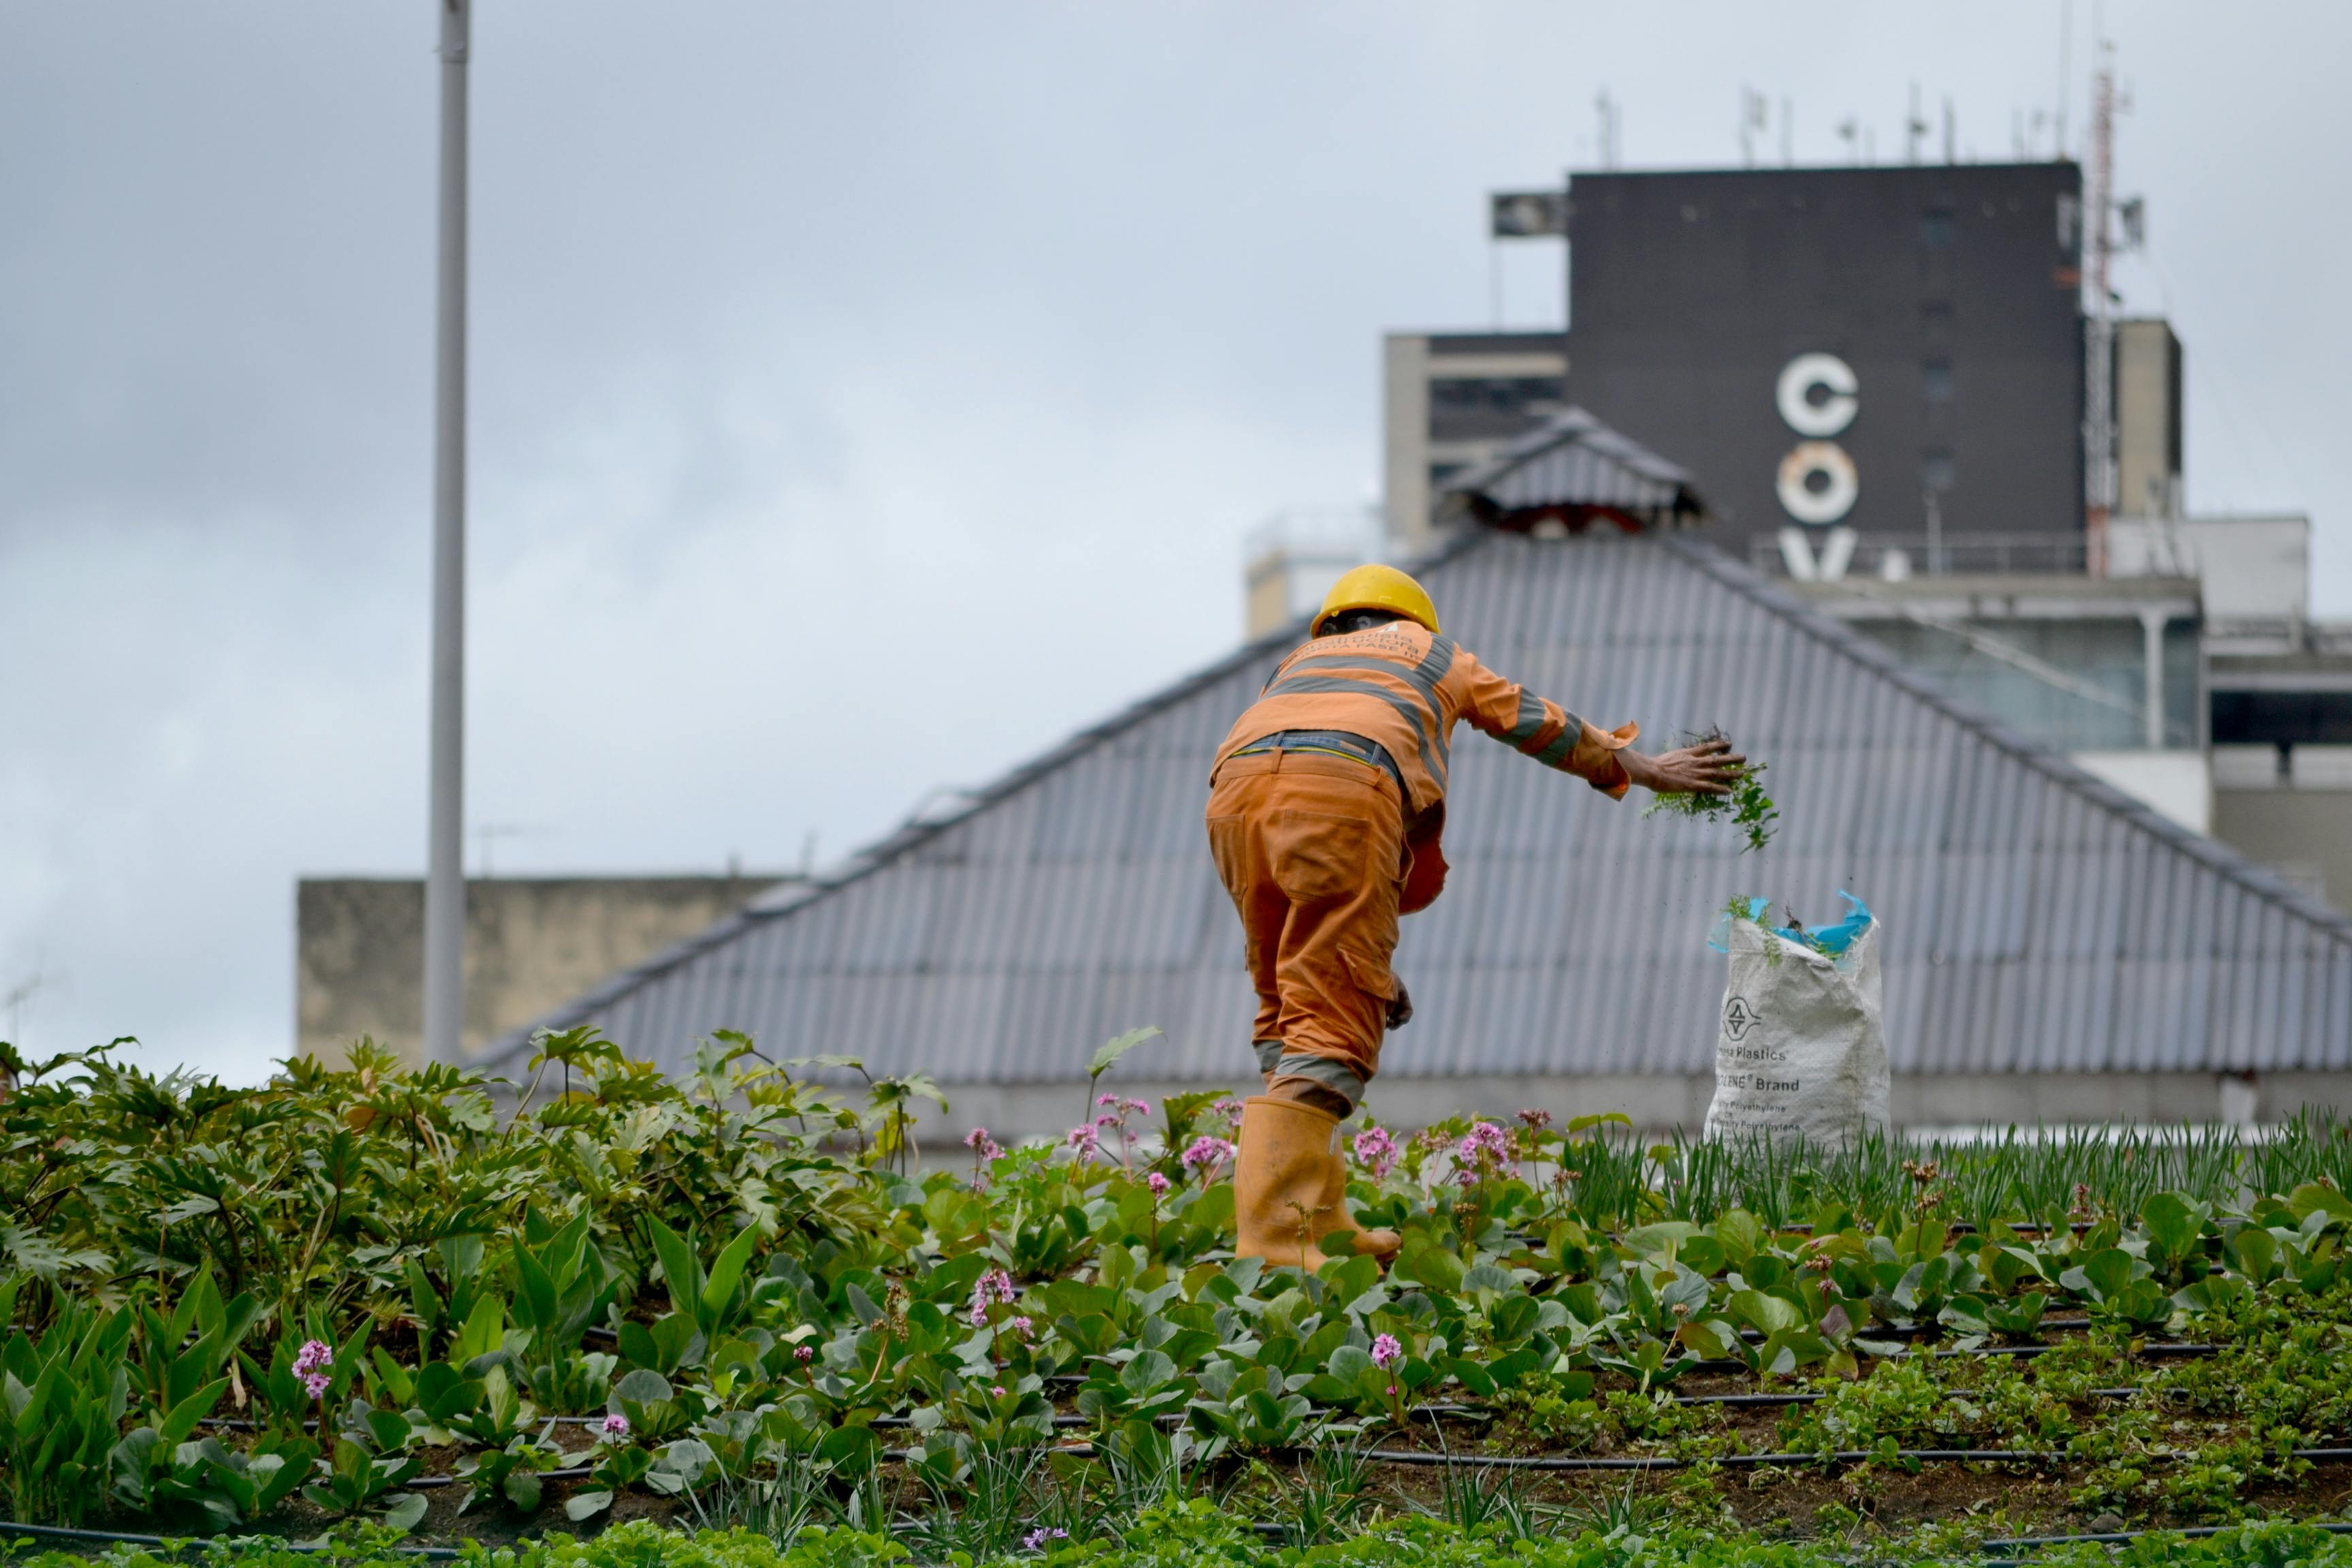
x,y
1557,738
1542,729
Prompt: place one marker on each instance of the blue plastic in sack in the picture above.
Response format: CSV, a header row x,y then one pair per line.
x,y
1831,939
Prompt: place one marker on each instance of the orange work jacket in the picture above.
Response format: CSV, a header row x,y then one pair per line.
x,y
1404,686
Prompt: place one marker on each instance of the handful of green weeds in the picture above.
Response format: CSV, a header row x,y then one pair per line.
x,y
1749,808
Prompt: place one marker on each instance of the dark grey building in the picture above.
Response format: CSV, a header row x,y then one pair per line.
x,y
1830,346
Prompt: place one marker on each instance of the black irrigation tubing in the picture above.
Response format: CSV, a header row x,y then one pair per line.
x,y
1841,1456
311,1423
1475,1412
1416,1457
1746,1401
9,1528
578,1473
2125,1537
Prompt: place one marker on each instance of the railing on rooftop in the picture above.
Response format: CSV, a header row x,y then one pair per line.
x,y
1895,557
1316,532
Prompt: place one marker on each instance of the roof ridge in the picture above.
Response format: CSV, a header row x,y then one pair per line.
x,y
912,835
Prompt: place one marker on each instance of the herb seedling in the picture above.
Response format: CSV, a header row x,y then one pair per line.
x,y
1749,808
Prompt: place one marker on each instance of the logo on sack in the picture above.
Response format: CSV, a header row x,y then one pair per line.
x,y
1737,1017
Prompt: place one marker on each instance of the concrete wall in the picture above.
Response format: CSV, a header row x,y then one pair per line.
x,y
2305,833
531,944
1450,399
2147,417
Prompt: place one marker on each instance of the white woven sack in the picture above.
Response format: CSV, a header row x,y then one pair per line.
x,y
1802,1048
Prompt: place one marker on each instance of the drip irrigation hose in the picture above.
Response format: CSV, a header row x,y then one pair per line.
x,y
1566,1462
2125,1537
173,1543
2001,1553
1457,1411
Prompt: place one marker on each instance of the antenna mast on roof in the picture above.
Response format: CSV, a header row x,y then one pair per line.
x,y
2099,326
2065,70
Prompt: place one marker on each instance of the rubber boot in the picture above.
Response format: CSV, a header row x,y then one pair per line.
x,y
1290,1189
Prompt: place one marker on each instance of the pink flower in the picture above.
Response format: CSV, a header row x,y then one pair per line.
x,y
1484,1143
1387,1351
803,1353
1228,1108
997,1391
1376,1151
1108,1119
1533,1118
1206,1156
614,1428
1085,1139
1109,1100
990,1289
1157,1183
1021,1326
1136,1106
315,1385
316,1355
1483,1150
1036,1540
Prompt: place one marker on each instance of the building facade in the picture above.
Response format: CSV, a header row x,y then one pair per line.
x,y
531,943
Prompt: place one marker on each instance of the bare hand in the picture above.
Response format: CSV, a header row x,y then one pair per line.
x,y
1710,767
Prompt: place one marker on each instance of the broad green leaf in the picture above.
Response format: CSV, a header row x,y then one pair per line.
x,y
2318,1196
1110,1050
681,1270
725,1274
1765,1314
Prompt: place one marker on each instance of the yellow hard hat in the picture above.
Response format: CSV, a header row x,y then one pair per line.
x,y
1377,588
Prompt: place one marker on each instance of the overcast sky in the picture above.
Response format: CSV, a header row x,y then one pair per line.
x,y
864,396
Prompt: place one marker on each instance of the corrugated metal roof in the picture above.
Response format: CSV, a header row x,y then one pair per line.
x,y
1573,460
2036,918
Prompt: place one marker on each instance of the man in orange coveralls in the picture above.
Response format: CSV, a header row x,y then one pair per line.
x,y
1325,806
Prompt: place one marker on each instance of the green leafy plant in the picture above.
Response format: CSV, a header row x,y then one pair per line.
x,y
62,1397
1746,807
368,1465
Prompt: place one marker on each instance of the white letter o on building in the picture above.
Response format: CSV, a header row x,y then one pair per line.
x,y
1830,499
1834,412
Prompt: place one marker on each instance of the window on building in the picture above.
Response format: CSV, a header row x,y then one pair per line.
x,y
1936,380
1936,471
1493,395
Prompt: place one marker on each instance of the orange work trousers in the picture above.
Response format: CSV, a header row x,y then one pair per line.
x,y
1311,848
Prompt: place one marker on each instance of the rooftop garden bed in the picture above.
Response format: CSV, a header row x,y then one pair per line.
x,y
373,1301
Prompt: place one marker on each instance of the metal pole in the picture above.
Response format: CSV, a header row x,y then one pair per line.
x,y
444,878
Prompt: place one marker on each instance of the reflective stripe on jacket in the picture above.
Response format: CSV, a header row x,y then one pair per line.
x,y
1404,686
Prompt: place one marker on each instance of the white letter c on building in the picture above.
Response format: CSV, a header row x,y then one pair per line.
x,y
1834,412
